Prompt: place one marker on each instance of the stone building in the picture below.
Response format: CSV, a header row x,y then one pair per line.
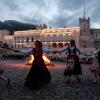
x,y
51,38
89,37
3,33
86,37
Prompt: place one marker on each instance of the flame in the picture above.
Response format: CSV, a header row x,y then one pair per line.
x,y
46,60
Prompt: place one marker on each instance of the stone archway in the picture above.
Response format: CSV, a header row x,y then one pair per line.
x,y
60,45
54,45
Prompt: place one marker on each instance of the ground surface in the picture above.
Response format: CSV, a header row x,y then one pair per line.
x,y
16,70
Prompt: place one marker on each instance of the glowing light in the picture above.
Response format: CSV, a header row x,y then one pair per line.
x,y
46,60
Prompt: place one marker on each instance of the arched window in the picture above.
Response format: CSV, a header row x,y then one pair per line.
x,y
32,39
60,45
27,39
66,44
60,37
54,45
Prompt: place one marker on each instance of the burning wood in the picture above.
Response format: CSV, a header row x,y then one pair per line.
x,y
46,60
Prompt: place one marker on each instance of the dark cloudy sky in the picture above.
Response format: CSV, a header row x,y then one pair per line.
x,y
54,13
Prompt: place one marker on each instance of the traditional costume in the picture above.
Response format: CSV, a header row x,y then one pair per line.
x,y
38,74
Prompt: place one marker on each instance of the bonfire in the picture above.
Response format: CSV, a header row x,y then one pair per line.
x,y
47,61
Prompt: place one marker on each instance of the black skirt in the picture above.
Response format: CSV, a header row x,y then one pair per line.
x,y
38,76
76,70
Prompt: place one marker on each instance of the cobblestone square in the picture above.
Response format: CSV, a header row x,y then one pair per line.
x,y
16,70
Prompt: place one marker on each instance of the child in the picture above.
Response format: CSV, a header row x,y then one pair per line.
x,y
3,77
73,68
94,68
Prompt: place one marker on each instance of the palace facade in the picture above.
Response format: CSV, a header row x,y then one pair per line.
x,y
89,37
51,38
54,38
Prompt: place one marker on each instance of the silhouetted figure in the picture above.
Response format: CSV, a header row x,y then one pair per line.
x,y
3,77
38,75
72,60
71,50
95,67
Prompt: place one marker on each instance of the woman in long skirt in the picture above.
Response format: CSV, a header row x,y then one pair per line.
x,y
38,75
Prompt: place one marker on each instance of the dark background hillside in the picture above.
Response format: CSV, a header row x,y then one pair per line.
x,y
13,25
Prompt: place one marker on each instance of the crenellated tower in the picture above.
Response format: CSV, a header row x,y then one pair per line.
x,y
85,39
